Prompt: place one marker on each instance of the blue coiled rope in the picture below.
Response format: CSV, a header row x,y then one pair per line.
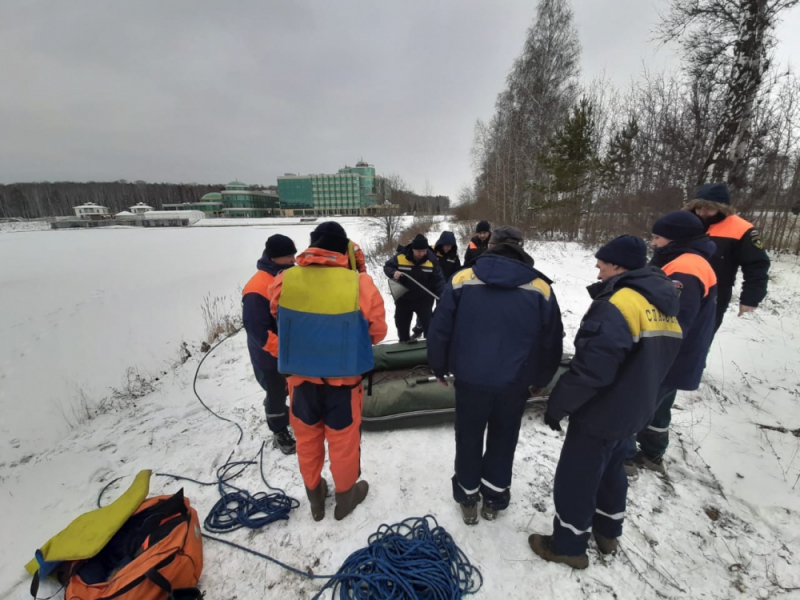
x,y
413,559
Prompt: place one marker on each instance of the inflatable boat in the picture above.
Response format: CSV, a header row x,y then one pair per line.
x,y
401,390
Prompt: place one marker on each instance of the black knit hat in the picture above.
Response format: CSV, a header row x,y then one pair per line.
x,y
279,245
330,236
483,226
328,228
714,192
420,242
679,225
626,251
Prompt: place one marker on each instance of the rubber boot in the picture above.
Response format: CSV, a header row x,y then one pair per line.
x,y
488,512
347,501
543,546
605,545
643,461
316,498
469,514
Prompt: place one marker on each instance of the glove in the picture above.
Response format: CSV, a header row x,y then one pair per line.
x,y
552,422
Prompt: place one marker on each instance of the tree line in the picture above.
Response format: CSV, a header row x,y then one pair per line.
x,y
46,199
588,161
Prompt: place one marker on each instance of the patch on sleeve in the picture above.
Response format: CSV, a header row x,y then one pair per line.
x,y
678,286
755,238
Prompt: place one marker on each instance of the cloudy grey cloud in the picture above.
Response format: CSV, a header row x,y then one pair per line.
x,y
206,91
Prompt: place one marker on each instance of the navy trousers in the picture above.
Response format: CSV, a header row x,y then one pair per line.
x,y
275,402
654,440
590,491
497,415
404,313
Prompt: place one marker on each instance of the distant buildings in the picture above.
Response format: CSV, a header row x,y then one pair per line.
x,y
236,200
351,191
90,211
140,208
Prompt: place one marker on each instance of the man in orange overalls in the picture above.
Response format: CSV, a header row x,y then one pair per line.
x,y
328,318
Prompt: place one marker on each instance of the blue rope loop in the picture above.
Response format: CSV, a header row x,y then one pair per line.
x,y
415,558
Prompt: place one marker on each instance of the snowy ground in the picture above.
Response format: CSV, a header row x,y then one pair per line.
x,y
725,524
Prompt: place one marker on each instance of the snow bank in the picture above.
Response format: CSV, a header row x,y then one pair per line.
x,y
724,523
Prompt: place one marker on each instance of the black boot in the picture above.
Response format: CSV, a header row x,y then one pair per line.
x,y
604,544
316,498
543,546
347,501
284,441
469,514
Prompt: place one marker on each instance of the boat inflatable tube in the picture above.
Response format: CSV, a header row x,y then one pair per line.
x,y
401,391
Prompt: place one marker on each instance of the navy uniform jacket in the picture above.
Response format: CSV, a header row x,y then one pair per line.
x,y
261,328
498,325
449,262
426,271
738,244
686,263
474,250
624,348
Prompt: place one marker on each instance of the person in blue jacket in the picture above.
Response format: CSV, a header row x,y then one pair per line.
x,y
262,337
505,307
625,346
683,251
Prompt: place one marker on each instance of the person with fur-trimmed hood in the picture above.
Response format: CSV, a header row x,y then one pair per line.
x,y
479,242
738,245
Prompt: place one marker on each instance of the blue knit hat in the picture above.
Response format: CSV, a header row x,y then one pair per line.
x,y
679,225
626,251
483,226
714,192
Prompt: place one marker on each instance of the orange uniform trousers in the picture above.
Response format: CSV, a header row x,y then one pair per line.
x,y
320,412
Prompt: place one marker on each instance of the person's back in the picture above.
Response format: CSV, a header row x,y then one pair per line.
x,y
506,327
328,318
498,330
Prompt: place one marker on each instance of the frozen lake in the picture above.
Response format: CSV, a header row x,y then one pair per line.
x,y
78,308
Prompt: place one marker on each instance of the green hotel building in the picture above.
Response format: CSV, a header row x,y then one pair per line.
x,y
351,191
237,200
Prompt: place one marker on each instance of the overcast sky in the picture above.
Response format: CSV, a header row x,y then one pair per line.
x,y
209,91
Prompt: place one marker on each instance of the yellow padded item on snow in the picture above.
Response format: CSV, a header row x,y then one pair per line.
x,y
88,534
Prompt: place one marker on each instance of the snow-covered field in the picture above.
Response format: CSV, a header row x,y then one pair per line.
x,y
81,307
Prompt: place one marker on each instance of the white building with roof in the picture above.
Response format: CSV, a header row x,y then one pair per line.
x,y
90,211
140,208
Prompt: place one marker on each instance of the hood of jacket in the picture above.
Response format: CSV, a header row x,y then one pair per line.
x,y
265,264
447,238
650,282
701,245
506,267
320,256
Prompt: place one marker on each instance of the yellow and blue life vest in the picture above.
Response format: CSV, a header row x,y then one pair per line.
x,y
321,330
